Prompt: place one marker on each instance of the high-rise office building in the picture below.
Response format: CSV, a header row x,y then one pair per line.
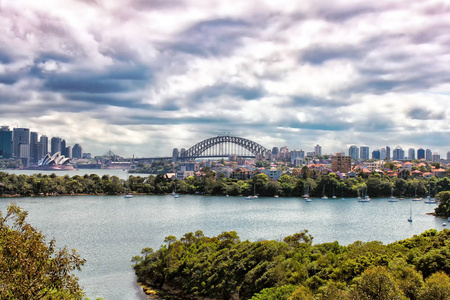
x,y
33,147
411,153
20,136
55,145
353,152
376,154
68,152
364,152
388,153
428,155
297,158
436,157
420,153
44,141
5,142
77,151
383,153
63,147
318,150
398,153
448,156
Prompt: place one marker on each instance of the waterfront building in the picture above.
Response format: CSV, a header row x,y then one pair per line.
x,y
24,154
428,155
5,142
353,152
398,153
420,154
388,153
383,153
341,163
376,154
87,155
20,136
318,150
411,153
364,152
55,145
273,173
436,157
77,151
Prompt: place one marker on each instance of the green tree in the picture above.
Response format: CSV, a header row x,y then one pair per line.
x,y
437,287
31,269
377,283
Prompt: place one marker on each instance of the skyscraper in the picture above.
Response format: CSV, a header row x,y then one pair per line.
x,y
376,154
20,136
388,153
33,147
318,150
5,142
448,155
364,152
436,157
44,141
420,153
411,153
353,152
55,145
77,151
383,153
428,155
398,153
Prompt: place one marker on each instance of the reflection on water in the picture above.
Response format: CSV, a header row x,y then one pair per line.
x,y
109,230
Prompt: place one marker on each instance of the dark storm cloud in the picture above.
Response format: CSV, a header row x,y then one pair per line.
x,y
425,114
322,53
211,38
225,89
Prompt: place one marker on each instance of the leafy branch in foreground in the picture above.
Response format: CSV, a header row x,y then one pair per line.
x,y
29,267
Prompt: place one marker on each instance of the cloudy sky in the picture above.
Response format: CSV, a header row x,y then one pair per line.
x,y
143,76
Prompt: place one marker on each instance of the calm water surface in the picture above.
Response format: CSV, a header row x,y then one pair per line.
x,y
109,230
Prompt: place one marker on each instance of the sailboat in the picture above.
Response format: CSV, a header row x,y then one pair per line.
x,y
392,193
129,195
254,194
429,199
174,193
410,212
334,197
324,197
366,198
415,196
306,192
392,198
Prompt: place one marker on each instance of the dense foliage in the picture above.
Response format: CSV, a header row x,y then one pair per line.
x,y
223,267
29,267
288,185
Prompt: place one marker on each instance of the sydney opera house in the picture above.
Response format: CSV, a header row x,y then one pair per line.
x,y
55,162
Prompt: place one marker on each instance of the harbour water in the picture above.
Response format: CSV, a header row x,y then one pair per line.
x,y
109,230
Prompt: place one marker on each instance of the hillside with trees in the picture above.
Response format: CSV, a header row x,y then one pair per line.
x,y
224,267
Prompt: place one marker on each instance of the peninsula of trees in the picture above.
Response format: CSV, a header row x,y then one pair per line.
x,y
294,185
224,267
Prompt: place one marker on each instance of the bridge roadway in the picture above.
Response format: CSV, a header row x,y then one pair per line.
x,y
186,158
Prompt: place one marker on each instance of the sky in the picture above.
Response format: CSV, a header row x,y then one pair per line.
x,y
140,77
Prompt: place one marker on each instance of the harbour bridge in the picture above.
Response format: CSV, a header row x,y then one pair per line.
x,y
218,146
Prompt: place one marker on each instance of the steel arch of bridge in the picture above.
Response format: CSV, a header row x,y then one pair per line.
x,y
199,148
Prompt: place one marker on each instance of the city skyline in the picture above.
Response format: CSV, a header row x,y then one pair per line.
x,y
143,77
